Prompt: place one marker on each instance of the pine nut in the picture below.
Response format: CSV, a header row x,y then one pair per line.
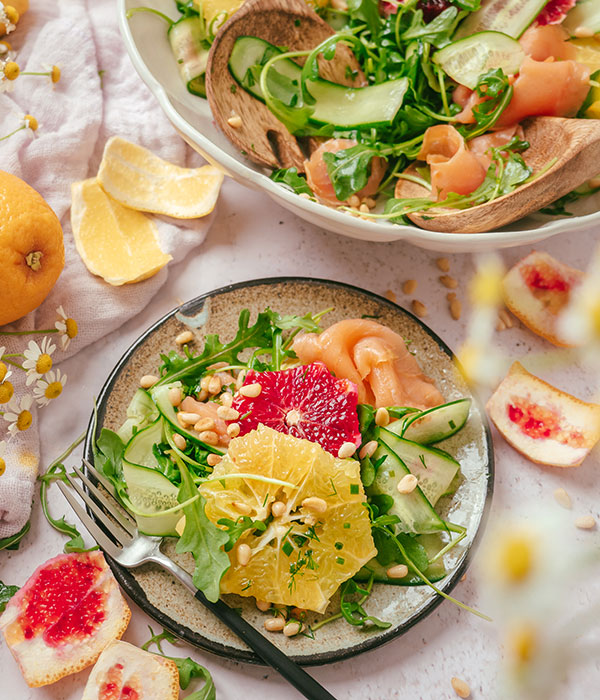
x,y
505,318
370,202
460,687
251,391
202,395
409,286
233,429
500,325
204,382
407,484
369,449
346,450
354,201
201,424
382,417
243,554
227,413
278,509
583,33
175,396
419,308
398,571
455,309
214,385
451,296
391,296
212,460
241,507
180,441
304,195
443,264
463,578
235,122
364,208
188,418
274,624
185,337
585,522
449,282
209,437
239,380
292,628
226,399
263,605
148,380
310,520
292,417
562,498
314,503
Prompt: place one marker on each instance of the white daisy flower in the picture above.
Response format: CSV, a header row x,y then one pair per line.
x,y
4,371
2,455
38,359
67,327
50,387
8,17
19,414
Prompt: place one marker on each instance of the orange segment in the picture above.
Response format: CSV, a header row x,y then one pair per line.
x,y
115,243
138,179
303,556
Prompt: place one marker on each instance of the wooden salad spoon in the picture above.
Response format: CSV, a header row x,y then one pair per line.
x,y
261,136
574,144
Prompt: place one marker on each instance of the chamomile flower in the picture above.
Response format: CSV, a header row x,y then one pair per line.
x,y
50,387
4,371
67,327
38,359
8,18
2,455
19,415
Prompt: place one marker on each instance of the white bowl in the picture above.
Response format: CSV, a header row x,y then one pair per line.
x,y
148,47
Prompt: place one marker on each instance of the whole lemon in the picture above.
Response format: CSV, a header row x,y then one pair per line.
x,y
32,253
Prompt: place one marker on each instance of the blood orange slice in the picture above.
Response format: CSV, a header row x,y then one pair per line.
x,y
555,11
545,424
306,402
69,610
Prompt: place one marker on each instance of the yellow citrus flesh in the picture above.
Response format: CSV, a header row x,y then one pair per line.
x,y
138,179
115,242
325,554
588,52
211,8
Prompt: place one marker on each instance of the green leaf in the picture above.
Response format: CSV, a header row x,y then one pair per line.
x,y
352,610
109,457
203,539
290,177
6,593
235,528
13,541
349,169
368,11
438,32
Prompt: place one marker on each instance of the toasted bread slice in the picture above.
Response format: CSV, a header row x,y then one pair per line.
x,y
69,610
537,289
545,424
132,672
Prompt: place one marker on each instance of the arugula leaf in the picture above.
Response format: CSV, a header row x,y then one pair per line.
x,y
13,541
158,638
349,169
495,87
202,538
558,207
290,177
438,32
6,593
352,610
366,10
235,528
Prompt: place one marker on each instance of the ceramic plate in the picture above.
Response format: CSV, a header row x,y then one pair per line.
x,y
146,42
167,601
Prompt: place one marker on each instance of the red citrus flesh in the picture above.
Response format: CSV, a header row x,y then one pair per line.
x,y
555,11
542,276
305,402
61,604
111,688
538,422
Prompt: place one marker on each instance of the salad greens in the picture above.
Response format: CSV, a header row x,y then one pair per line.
x,y
6,593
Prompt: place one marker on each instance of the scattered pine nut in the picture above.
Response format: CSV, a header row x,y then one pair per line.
x,y
382,417
450,296
148,380
346,450
443,264
370,202
460,687
204,383
364,208
202,395
212,460
263,605
449,282
274,624
209,437
505,317
391,296
398,571
419,308
278,509
243,554
409,286
585,522
214,385
235,122
562,498
206,423
233,429
455,309
175,396
227,413
189,418
239,380
292,628
185,337
242,507
314,503
500,325
226,399
251,391
354,201
583,33
463,578
407,484
368,450
304,195
180,441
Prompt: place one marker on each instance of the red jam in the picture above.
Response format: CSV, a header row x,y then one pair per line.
x,y
61,605
544,277
538,422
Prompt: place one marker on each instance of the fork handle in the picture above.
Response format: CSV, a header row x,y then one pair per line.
x,y
259,644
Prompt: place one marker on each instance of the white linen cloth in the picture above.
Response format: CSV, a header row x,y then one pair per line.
x,y
99,95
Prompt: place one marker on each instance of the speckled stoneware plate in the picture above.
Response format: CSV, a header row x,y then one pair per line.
x,y
167,601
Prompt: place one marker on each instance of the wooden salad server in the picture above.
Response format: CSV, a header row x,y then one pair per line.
x,y
261,136
574,143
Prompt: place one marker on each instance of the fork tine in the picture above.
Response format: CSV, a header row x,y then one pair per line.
x,y
114,529
105,543
99,476
109,504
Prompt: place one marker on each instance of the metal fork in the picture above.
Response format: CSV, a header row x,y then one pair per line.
x,y
130,549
